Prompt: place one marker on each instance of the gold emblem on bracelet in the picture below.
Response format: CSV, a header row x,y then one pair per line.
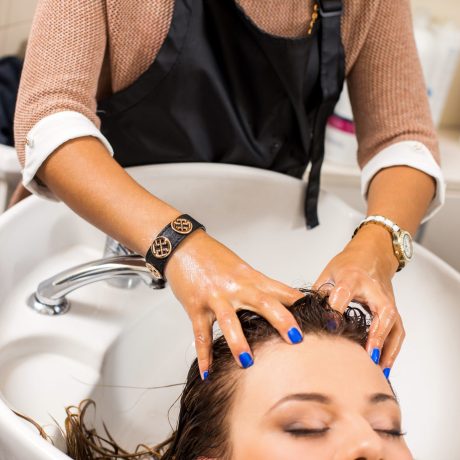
x,y
155,273
182,225
161,247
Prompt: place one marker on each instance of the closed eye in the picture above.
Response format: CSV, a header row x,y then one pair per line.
x,y
306,432
391,433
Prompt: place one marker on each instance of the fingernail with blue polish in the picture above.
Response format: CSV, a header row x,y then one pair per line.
x,y
375,355
331,325
294,335
386,372
246,360
205,375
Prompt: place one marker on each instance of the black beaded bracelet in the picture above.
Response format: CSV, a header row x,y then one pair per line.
x,y
167,242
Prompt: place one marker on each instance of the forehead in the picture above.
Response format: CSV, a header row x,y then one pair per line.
x,y
322,364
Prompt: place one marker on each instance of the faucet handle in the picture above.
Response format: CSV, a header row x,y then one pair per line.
x,y
114,248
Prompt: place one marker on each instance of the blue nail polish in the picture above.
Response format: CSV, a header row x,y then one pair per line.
x,y
294,335
205,375
386,372
375,355
246,360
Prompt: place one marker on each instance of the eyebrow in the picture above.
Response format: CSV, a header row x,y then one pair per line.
x,y
382,397
323,399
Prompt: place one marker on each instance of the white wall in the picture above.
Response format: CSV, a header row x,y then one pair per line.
x,y
16,17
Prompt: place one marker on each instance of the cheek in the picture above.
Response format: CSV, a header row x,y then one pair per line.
x,y
398,451
274,446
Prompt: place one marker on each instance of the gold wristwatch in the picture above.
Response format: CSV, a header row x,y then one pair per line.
x,y
402,240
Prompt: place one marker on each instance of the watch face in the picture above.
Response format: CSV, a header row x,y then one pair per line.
x,y
407,246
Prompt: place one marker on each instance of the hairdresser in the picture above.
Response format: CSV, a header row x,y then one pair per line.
x,y
110,84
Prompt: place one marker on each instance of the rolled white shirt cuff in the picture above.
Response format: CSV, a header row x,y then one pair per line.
x,y
46,136
407,153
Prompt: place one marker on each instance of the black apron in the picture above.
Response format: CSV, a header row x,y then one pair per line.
x,y
222,90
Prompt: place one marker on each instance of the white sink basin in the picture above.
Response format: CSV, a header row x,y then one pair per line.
x,y
114,343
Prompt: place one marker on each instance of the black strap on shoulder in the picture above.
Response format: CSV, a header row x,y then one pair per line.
x,y
331,7
332,74
332,59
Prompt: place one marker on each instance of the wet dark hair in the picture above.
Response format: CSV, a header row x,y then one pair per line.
x,y
203,426
203,429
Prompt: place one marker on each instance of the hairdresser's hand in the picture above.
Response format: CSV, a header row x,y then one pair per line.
x,y
212,283
363,272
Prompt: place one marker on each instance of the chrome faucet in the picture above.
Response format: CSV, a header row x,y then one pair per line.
x,y
50,296
114,248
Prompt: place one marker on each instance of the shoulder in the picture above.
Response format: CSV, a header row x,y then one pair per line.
x,y
362,16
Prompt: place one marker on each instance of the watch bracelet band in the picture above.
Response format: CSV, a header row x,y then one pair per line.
x,y
166,242
389,225
380,220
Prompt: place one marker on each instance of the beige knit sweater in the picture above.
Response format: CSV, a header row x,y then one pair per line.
x,y
81,50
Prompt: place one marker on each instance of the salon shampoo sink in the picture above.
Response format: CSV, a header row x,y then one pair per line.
x,y
125,348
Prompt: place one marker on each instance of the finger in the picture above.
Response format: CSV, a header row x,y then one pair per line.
x,y
202,329
278,316
285,294
392,346
340,297
381,327
324,282
230,326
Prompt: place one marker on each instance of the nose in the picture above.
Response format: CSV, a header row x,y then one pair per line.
x,y
360,442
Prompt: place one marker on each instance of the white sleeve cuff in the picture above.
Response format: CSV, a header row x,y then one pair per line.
x,y
46,136
407,153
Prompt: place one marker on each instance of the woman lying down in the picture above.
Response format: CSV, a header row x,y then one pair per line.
x,y
322,399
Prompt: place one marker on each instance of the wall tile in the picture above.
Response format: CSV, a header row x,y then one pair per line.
x,y
2,41
21,10
15,36
4,6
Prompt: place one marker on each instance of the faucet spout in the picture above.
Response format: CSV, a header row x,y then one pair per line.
x,y
50,296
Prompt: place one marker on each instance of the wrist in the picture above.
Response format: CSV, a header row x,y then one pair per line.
x,y
167,241
376,242
189,249
151,229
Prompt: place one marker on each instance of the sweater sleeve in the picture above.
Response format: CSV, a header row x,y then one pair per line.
x,y
57,94
389,100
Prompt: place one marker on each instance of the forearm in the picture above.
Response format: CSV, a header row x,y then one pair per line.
x,y
84,175
208,279
401,194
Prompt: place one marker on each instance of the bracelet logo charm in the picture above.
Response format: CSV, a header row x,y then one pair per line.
x,y
161,247
182,225
166,242
155,273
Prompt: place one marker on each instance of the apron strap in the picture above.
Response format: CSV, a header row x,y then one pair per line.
x,y
332,57
332,74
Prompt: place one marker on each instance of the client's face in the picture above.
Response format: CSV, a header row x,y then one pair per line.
x,y
322,399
